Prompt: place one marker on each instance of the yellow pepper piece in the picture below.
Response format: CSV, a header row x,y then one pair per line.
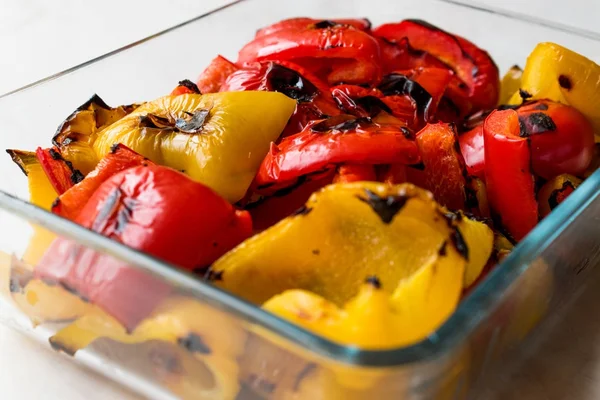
x,y
41,192
554,191
344,233
511,83
556,73
480,240
218,139
374,319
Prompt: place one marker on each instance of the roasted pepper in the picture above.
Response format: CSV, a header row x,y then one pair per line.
x,y
217,139
471,148
509,179
511,83
41,191
337,140
556,73
394,230
312,95
147,208
336,53
185,87
213,77
473,66
120,158
443,166
75,136
301,23
60,172
555,191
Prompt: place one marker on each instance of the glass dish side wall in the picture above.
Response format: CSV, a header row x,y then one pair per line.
x,y
257,361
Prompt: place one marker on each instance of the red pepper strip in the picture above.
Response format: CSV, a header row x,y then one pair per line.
x,y
301,23
562,139
60,173
71,202
434,80
509,180
153,209
471,147
347,173
337,140
211,79
272,209
312,94
338,53
185,87
359,101
443,165
473,66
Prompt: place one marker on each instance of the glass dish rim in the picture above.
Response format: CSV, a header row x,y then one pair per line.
x,y
470,312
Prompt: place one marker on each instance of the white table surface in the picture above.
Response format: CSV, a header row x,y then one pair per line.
x,y
46,37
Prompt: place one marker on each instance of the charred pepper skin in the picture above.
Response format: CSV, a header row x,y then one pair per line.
x,y
147,208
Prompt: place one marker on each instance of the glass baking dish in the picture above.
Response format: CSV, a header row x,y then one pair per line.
x,y
205,343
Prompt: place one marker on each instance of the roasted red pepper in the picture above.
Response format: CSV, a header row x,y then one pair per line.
x,y
359,101
509,179
338,53
471,147
562,139
211,79
302,23
442,170
184,87
153,209
337,140
60,172
312,95
479,77
71,202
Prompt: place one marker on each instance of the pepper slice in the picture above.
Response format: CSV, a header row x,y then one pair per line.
x,y
555,191
471,148
147,208
473,66
336,53
218,139
339,224
185,87
41,191
312,95
509,179
60,172
301,23
120,158
337,140
443,172
213,77
557,73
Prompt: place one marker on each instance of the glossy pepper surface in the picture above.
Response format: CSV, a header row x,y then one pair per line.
x,y
509,179
147,208
395,230
335,52
217,139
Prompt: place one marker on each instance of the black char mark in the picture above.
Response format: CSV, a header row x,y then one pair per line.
x,y
190,85
398,84
373,281
442,251
541,106
61,347
553,199
194,344
193,125
213,276
291,83
525,95
326,23
459,243
341,123
302,211
385,207
306,371
565,82
535,123
109,206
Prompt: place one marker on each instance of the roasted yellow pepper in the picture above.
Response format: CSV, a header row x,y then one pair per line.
x,y
556,73
555,191
510,84
346,232
41,192
218,139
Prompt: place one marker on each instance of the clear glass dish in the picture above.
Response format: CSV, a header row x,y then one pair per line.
x,y
237,350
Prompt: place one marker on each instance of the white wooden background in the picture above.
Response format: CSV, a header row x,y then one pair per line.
x,y
39,38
